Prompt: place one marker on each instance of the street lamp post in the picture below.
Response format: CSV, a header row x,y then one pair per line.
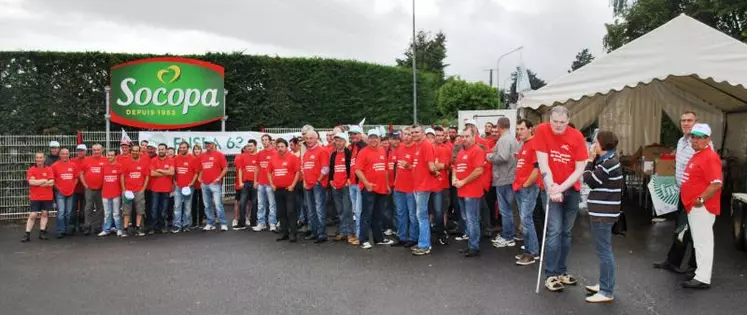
x,y
414,71
498,66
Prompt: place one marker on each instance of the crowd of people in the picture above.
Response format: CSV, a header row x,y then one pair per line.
x,y
395,189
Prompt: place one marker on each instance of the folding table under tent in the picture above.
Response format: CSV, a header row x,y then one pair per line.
x,y
682,65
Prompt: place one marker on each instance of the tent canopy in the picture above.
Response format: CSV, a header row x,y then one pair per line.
x,y
682,65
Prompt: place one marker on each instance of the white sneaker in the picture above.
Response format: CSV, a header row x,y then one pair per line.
x,y
592,288
385,241
499,242
235,222
119,233
208,228
247,222
388,232
224,228
599,298
366,245
273,228
462,238
104,233
259,228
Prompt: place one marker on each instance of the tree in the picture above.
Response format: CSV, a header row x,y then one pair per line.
x,y
430,54
582,58
512,96
636,18
456,94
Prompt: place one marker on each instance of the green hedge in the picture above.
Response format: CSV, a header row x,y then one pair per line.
x,y
58,92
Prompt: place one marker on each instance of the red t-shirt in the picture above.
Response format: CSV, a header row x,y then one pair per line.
x,y
79,189
525,164
212,164
123,159
313,161
112,186
248,165
341,176
284,169
487,172
185,168
38,193
467,161
135,173
391,164
65,175
422,178
93,171
353,157
162,184
443,154
563,151
703,169
263,159
372,162
403,182
491,142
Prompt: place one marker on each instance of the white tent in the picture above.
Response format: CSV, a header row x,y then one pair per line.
x,y
682,65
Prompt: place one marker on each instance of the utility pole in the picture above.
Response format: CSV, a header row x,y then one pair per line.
x,y
414,71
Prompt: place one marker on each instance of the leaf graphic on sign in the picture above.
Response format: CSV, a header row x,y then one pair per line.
x,y
177,72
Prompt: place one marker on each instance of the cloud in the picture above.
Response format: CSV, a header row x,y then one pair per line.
x,y
477,31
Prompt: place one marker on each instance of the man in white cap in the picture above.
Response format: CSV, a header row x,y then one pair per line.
x,y
339,182
54,153
92,177
371,169
701,196
213,167
315,168
356,144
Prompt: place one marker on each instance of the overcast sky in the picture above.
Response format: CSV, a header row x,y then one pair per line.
x,y
477,31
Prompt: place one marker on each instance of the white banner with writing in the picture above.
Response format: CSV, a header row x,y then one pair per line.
x,y
664,194
229,142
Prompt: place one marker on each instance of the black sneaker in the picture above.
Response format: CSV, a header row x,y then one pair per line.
x,y
695,284
43,235
410,244
26,238
472,253
443,240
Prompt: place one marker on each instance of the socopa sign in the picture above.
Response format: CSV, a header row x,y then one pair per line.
x,y
166,93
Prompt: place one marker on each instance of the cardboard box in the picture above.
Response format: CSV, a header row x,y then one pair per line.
x,y
651,152
665,167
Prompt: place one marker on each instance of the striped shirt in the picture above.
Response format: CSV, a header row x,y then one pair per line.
x,y
605,178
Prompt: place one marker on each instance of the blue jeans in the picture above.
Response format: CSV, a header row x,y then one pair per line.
x,y
111,211
424,224
266,195
158,206
247,195
64,208
562,216
505,194
341,199
315,202
471,209
407,220
438,209
357,202
602,232
372,215
212,195
526,198
182,206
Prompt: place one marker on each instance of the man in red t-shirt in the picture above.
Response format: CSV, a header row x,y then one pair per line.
x,y
424,175
185,176
135,177
404,196
339,174
111,194
315,165
440,193
526,185
468,168
41,181
701,196
283,173
65,179
79,196
92,177
356,145
246,167
213,167
161,185
265,195
391,155
373,181
561,155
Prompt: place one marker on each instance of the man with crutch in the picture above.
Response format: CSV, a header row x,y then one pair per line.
x,y
561,155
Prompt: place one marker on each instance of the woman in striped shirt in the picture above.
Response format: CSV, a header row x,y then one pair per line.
x,y
604,176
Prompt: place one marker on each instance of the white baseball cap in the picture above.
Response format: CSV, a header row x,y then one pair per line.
x,y
701,130
81,147
54,144
343,136
470,122
430,130
355,129
374,133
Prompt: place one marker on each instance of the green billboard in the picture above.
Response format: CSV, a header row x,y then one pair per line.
x,y
166,93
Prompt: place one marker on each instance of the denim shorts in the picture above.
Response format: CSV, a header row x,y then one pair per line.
x,y
41,205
